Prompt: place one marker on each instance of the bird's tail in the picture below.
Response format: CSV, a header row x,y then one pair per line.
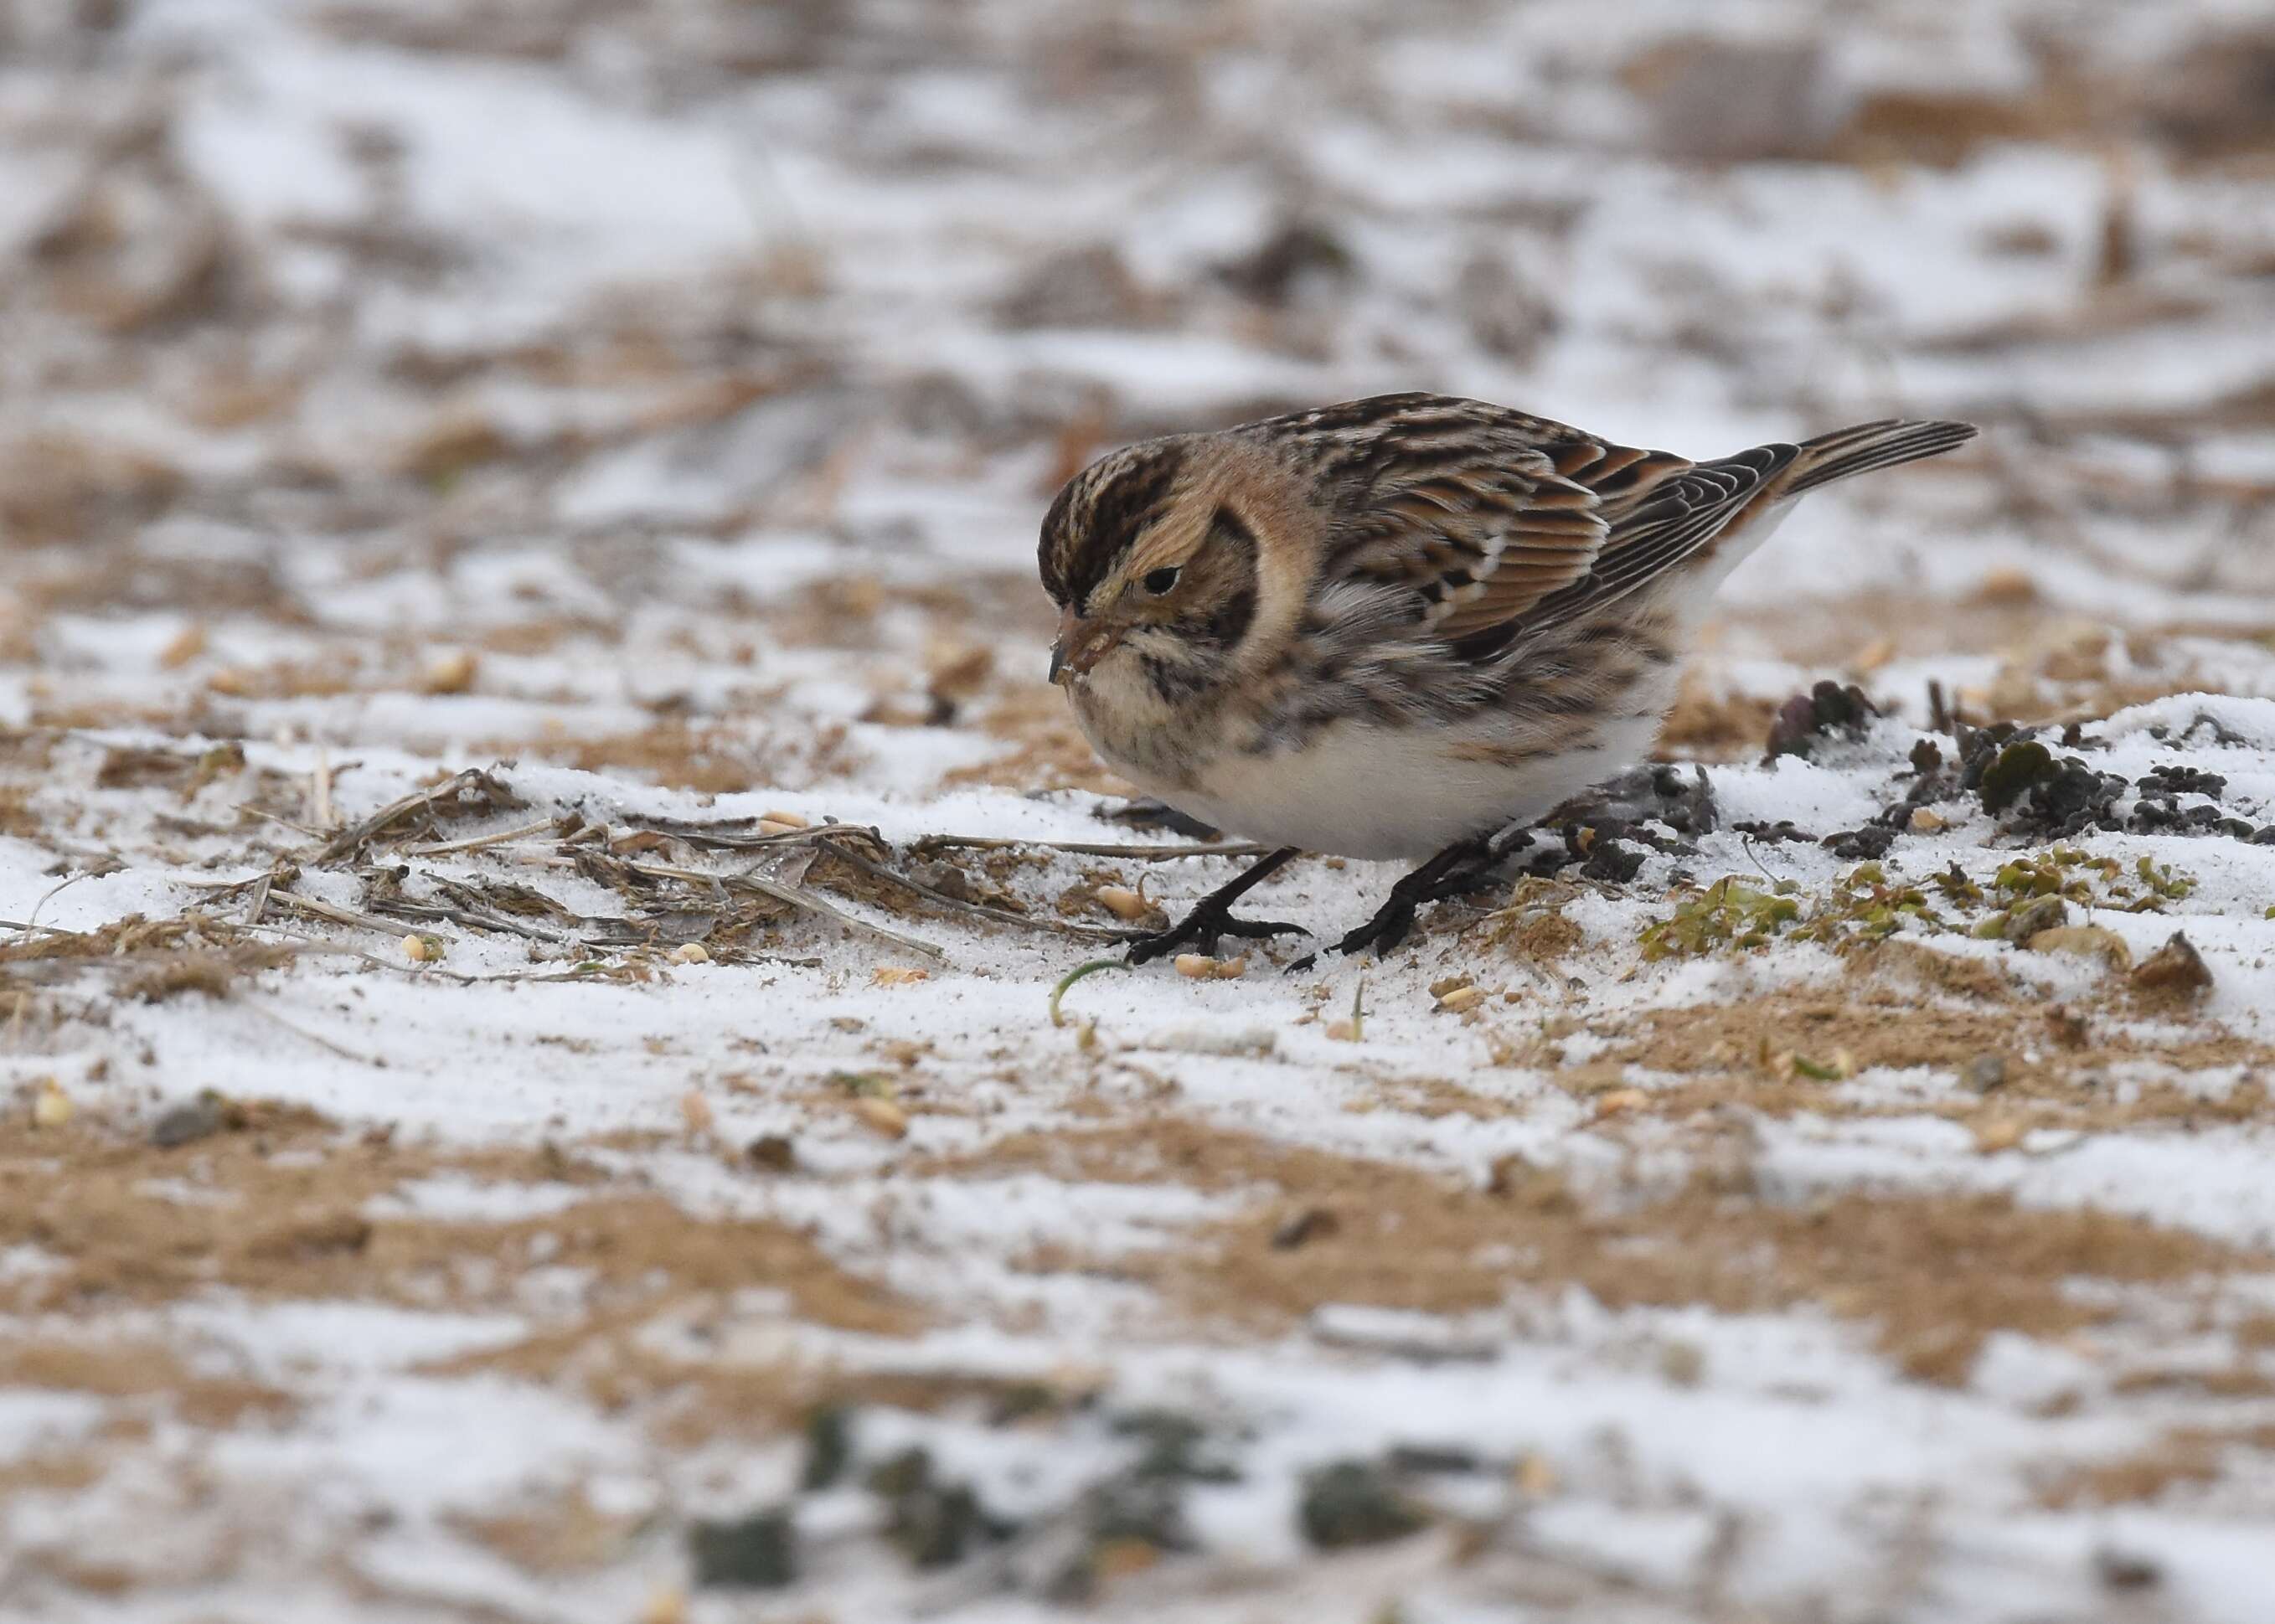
x,y
1867,446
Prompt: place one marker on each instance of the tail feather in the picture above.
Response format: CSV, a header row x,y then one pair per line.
x,y
1868,446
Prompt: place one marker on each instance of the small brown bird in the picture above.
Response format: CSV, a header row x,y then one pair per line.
x,y
1399,626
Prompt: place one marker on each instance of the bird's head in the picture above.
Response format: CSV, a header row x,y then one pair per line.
x,y
1154,567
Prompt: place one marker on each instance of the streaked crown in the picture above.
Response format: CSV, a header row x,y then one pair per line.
x,y
1100,514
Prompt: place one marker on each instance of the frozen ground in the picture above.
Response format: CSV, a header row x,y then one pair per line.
x,y
534,851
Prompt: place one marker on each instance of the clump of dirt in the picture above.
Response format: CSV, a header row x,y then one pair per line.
x,y
1826,713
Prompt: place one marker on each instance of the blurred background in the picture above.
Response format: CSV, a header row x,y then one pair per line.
x,y
674,387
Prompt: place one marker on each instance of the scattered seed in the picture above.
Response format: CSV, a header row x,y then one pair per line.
x,y
697,1111
200,1118
1199,966
788,821
1683,1363
1995,1134
1615,1102
1232,970
1123,902
1536,1476
51,1107
1461,998
450,673
2007,586
898,975
422,950
1927,821
691,953
187,644
881,1116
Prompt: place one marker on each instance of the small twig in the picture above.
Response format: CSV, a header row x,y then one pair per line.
x,y
443,848
318,1039
355,836
250,810
801,897
294,903
257,903
795,895
49,895
1084,848
1001,915
322,792
406,909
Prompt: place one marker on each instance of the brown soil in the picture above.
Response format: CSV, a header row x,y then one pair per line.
x,y
1934,1275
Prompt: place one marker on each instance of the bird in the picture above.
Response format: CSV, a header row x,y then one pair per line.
x,y
1402,627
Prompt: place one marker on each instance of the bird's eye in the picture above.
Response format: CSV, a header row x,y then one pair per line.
x,y
1159,581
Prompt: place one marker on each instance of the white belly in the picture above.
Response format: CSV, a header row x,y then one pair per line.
x,y
1370,792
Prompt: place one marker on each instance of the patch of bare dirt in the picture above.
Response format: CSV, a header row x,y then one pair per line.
x,y
1933,1275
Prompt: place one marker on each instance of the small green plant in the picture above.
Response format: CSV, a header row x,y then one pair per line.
x,y
1729,913
1868,904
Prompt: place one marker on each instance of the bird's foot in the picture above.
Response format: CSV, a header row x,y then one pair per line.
x,y
1199,931
1457,870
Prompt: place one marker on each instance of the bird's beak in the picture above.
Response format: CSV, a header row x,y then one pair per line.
x,y
1082,644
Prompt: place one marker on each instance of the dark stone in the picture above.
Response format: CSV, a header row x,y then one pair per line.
x,y
1299,254
1355,1503
933,1523
1783,829
1433,1458
758,1553
772,1153
1868,844
1172,1446
1314,1223
195,1119
1608,860
828,1447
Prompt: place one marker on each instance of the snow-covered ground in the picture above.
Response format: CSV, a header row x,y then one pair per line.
x,y
535,853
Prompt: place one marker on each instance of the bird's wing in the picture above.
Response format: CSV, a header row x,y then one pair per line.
x,y
1461,505
1504,525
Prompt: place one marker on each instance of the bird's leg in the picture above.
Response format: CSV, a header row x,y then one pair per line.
x,y
1212,916
1461,868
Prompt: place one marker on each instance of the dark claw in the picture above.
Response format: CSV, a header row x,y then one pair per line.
x,y
1199,931
1455,872
1259,929
1384,932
